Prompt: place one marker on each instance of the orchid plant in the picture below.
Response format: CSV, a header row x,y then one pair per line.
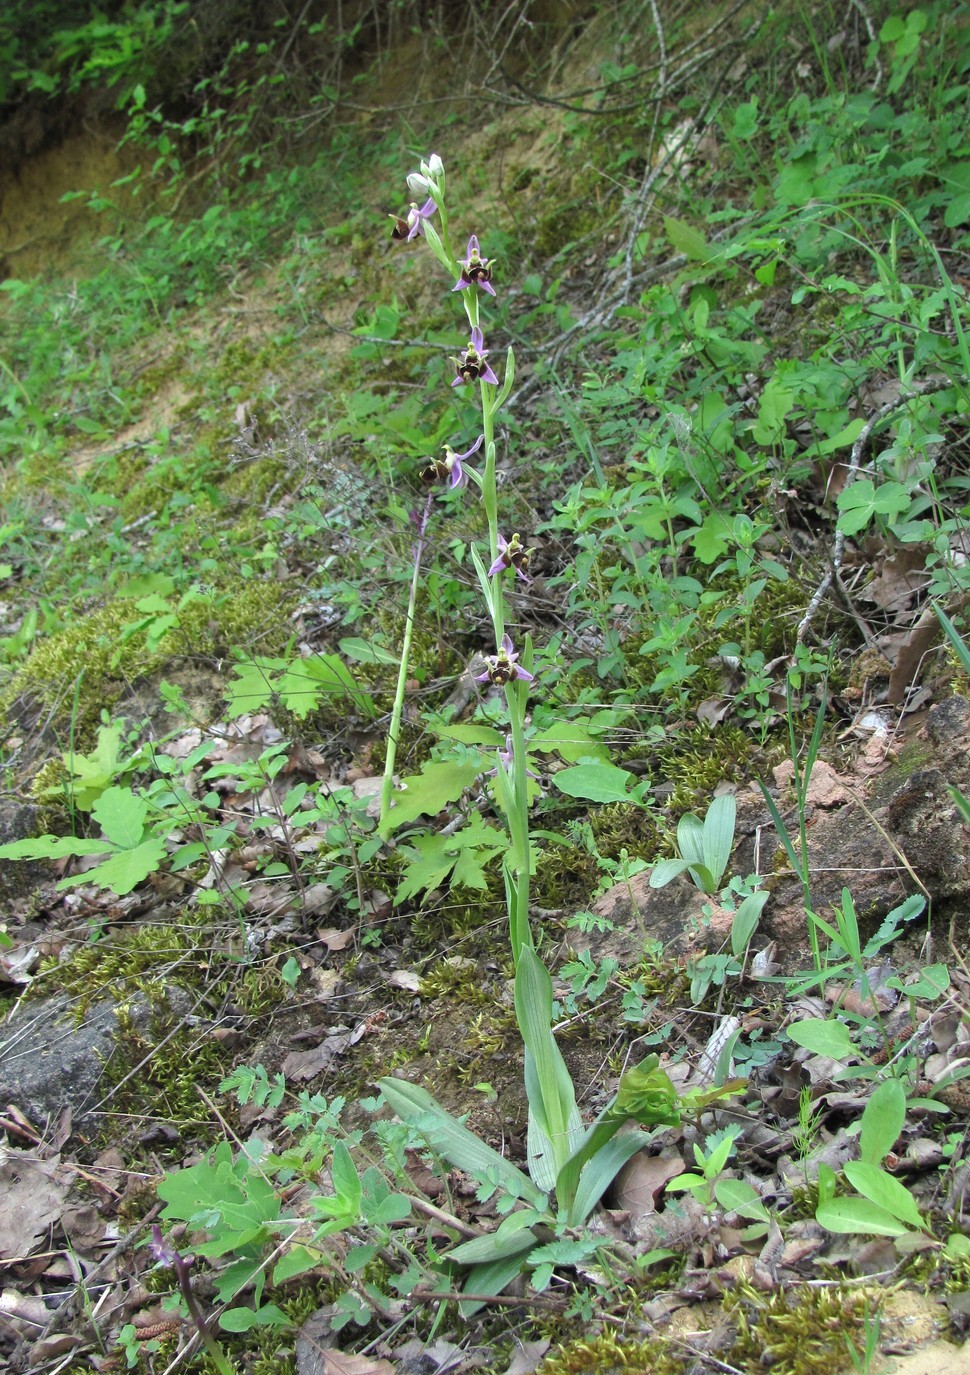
x,y
567,1162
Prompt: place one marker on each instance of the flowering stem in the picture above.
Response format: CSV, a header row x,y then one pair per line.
x,y
394,730
518,822
216,1354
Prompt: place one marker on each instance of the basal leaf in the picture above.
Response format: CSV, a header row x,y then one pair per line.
x,y
596,783
124,870
882,1189
858,1217
822,1037
882,1120
121,815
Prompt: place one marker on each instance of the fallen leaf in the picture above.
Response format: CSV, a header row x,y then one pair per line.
x,y
406,979
334,939
307,1064
526,1359
641,1180
33,1193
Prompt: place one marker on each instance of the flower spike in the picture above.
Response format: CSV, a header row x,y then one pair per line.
x,y
471,366
511,554
475,270
450,466
504,667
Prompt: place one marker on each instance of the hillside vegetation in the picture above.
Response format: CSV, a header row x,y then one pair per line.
x,y
484,569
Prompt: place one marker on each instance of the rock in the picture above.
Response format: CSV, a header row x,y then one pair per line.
x,y
47,1063
19,877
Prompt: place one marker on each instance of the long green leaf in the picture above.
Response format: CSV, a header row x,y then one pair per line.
x,y
493,1246
454,1142
885,1191
883,1119
551,1094
858,1217
719,835
599,1173
490,1280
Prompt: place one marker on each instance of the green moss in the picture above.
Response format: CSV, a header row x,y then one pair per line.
x,y
158,1073
77,672
458,980
609,1354
795,1332
84,668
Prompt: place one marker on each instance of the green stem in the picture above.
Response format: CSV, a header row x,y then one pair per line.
x,y
518,822
397,711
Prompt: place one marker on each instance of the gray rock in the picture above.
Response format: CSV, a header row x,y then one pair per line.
x,y
47,1063
19,877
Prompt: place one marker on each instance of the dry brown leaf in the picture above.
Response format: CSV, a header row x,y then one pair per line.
x,y
334,939
910,653
307,1064
33,1193
331,1361
641,1180
406,979
527,1358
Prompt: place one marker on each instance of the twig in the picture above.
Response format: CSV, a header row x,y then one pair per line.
x,y
855,457
546,1301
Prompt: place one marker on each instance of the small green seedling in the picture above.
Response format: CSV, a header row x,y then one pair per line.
x,y
705,848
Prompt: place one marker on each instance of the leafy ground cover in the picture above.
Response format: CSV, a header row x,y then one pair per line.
x,y
716,794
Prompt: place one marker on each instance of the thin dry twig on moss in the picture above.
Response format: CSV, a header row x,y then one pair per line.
x,y
917,389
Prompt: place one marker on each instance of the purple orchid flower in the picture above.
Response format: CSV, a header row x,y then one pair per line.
x,y
166,1254
450,466
417,217
471,366
511,554
505,758
504,667
475,270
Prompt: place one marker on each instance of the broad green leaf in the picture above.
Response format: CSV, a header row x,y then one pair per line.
x,y
440,782
344,1176
121,815
860,502
822,1037
306,681
842,439
746,920
596,783
858,1217
666,871
124,870
367,652
690,839
737,1196
459,1146
572,741
242,1319
773,409
932,983
688,240
51,847
296,1261
886,1192
712,540
253,684
882,1120
719,835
